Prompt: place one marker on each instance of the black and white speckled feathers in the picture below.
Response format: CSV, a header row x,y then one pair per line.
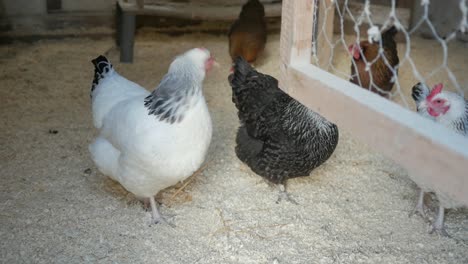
x,y
179,90
419,93
102,66
279,138
173,97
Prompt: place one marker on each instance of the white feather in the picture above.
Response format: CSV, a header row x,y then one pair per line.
x,y
111,90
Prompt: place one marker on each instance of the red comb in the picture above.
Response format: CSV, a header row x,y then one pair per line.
x,y
355,50
436,90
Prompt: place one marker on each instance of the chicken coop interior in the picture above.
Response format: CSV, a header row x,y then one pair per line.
x,y
355,205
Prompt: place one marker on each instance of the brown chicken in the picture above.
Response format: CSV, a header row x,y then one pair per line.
x,y
248,34
378,78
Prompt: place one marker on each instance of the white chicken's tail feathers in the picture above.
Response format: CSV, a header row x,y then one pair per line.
x,y
419,93
102,67
105,156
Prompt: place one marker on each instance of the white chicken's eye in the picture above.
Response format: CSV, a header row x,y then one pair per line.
x,y
438,101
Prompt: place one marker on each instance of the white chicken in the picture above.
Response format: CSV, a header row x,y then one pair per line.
x,y
150,141
450,110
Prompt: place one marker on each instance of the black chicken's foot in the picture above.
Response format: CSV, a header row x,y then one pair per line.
x,y
284,195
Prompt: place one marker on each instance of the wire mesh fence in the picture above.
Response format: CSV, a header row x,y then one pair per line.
x,y
430,44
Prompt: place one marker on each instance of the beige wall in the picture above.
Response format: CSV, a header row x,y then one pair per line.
x,y
28,16
38,7
88,5
24,7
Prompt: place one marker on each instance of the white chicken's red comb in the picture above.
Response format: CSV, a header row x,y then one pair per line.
x,y
436,90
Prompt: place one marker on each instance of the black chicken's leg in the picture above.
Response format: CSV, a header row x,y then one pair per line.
x,y
284,195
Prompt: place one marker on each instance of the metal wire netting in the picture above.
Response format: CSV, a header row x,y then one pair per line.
x,y
426,53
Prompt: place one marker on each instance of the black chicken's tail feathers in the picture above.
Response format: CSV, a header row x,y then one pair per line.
x,y
419,92
388,38
102,66
392,31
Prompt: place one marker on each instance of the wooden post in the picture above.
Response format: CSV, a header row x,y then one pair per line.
x,y
127,36
296,35
326,15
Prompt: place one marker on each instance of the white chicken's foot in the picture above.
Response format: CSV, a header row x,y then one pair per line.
x,y
284,195
438,224
156,216
419,208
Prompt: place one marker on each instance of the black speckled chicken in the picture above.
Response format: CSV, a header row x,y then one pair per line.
x,y
279,138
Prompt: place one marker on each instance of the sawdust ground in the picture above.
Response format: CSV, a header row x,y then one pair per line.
x,y
57,208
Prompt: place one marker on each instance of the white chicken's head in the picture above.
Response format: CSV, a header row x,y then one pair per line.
x,y
197,59
437,102
444,105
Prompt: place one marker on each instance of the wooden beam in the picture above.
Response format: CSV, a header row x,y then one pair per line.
x,y
296,35
195,12
326,15
432,154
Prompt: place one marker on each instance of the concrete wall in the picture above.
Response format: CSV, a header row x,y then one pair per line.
x,y
23,7
88,5
444,15
13,8
30,16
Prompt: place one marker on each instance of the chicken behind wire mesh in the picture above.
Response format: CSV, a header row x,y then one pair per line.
x,y
279,138
378,78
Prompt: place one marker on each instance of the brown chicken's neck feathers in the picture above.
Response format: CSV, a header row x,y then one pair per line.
x,y
381,73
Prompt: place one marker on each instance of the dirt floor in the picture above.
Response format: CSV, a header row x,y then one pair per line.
x,y
55,207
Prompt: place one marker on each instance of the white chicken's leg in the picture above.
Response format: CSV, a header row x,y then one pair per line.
x,y
154,211
283,195
419,208
157,218
438,224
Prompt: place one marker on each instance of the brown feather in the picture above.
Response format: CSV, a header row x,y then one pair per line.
x,y
247,36
381,73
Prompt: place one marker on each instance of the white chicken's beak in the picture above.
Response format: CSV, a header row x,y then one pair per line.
x,y
215,63
210,63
